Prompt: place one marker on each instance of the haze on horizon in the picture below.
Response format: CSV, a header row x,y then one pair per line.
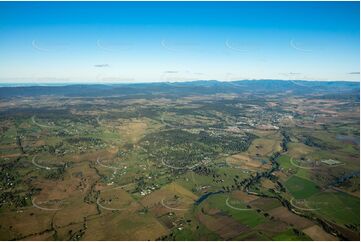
x,y
122,42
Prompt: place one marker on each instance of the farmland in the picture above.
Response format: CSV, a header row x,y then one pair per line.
x,y
191,161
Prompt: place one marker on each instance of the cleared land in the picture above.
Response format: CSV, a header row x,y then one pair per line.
x,y
196,161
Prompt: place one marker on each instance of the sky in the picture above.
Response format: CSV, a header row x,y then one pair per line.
x,y
122,42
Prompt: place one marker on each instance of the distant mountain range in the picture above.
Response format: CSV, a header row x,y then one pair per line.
x,y
178,89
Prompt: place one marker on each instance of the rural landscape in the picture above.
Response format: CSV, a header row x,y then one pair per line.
x,y
202,160
180,121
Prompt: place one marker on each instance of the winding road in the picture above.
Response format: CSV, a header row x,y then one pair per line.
x,y
42,208
40,125
239,209
40,166
110,167
304,209
176,209
113,209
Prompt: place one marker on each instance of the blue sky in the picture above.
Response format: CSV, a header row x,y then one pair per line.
x,y
178,41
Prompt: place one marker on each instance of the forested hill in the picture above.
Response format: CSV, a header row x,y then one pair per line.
x,y
178,89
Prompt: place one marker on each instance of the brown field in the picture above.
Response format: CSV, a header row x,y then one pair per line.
x,y
11,155
260,149
265,203
240,195
272,228
264,147
55,190
226,227
117,198
124,225
74,212
244,161
298,149
167,193
266,183
25,223
67,231
283,214
281,175
317,233
132,131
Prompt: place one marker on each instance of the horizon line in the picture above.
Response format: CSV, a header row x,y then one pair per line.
x,y
30,84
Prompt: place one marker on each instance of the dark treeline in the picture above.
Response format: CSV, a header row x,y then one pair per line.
x,y
285,140
313,142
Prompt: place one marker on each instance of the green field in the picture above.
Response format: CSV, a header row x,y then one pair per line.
x,y
300,187
248,217
284,161
290,235
338,207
